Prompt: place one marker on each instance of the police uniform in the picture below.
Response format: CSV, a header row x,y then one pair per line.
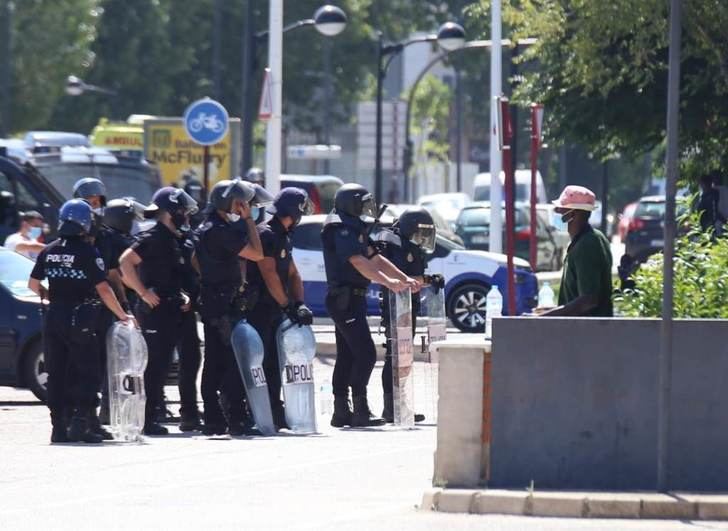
x,y
188,343
345,236
221,287
411,260
160,270
264,313
73,268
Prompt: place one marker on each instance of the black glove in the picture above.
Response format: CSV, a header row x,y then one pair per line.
x,y
304,313
291,312
436,281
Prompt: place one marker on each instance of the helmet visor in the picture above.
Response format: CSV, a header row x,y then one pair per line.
x,y
424,237
368,207
184,200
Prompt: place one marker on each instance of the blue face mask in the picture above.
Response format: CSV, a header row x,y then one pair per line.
x,y
35,232
254,213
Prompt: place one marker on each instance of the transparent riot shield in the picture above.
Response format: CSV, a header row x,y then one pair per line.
x,y
400,308
296,351
248,349
126,361
432,309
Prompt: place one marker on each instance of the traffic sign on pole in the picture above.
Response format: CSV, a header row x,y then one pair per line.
x,y
206,121
265,109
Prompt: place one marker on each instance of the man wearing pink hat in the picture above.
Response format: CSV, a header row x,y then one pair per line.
x,y
586,281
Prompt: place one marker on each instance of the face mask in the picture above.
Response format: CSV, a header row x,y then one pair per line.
x,y
233,218
254,213
34,233
568,216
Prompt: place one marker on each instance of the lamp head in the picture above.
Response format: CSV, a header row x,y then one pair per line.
x,y
329,20
74,86
451,36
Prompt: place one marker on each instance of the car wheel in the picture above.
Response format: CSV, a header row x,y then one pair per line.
x,y
35,374
466,307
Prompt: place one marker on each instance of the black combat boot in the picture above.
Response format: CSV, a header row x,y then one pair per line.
x,y
96,427
59,434
388,411
190,421
154,428
362,417
79,430
342,412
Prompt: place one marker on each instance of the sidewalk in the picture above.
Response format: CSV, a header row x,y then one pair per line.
x,y
571,504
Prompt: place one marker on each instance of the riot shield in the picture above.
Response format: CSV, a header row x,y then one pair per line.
x,y
248,349
400,312
432,308
126,361
296,350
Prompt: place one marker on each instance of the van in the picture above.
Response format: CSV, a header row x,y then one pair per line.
x,y
481,187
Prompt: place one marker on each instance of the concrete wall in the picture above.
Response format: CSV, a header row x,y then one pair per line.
x,y
574,404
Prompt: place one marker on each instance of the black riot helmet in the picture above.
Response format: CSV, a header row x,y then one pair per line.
x,y
255,175
225,192
120,214
292,202
417,226
90,187
354,200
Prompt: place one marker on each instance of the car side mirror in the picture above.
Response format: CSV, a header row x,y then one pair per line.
x,y
7,200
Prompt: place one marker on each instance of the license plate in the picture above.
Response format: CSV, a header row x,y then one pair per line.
x,y
657,243
479,239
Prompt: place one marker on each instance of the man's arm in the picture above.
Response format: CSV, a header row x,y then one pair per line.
x,y
295,282
128,263
117,284
369,270
393,271
272,281
29,247
254,249
112,303
582,305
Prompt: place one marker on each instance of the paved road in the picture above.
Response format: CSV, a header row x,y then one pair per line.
x,y
338,480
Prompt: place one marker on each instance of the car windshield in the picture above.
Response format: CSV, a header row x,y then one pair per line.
x,y
650,209
139,182
480,217
14,273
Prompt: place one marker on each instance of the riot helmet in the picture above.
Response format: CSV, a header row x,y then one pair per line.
x,y
175,201
255,175
292,202
225,192
75,218
354,200
417,226
90,187
120,214
193,187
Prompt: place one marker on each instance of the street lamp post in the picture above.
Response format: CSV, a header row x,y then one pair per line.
x,y
328,20
450,36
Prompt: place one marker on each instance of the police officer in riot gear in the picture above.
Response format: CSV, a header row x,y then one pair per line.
x,y
76,279
352,262
255,175
92,190
275,287
153,268
222,243
406,245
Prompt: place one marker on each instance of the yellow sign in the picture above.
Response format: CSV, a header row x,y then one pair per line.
x,y
179,159
118,136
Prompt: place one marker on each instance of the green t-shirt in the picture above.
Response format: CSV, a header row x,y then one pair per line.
x,y
588,271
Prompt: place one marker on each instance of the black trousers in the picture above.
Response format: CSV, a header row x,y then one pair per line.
x,y
266,318
355,351
190,358
72,362
220,373
161,329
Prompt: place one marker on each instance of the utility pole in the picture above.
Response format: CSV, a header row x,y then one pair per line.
x,y
6,68
216,43
328,98
459,127
496,74
247,104
275,133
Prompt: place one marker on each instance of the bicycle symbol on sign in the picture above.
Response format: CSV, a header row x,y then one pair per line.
x,y
206,121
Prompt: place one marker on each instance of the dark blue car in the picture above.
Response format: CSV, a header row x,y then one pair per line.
x,y
21,342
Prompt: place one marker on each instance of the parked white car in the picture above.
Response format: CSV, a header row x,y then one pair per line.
x,y
468,276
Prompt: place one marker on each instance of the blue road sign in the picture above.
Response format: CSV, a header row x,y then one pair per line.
x,y
206,121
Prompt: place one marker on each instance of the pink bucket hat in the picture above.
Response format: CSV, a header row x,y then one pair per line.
x,y
576,198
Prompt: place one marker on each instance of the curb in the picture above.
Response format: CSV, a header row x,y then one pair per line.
x,y
623,505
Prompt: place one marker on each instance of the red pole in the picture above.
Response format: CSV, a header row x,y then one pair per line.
x,y
510,213
534,153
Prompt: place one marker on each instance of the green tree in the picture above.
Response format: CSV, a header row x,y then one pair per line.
x,y
50,40
431,114
602,74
